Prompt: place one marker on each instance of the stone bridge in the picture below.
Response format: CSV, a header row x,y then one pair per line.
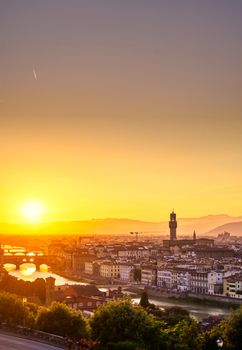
x,y
38,260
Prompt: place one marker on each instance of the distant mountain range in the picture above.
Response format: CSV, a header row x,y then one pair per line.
x,y
235,228
210,225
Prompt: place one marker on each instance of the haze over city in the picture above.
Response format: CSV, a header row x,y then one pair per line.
x,y
120,109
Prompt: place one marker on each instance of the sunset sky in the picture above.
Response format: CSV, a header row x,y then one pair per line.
x,y
124,108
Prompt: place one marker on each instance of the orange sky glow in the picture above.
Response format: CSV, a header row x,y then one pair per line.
x,y
120,109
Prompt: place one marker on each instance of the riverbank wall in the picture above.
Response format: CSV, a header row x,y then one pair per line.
x,y
204,298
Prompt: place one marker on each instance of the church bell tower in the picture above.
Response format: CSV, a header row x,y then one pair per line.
x,y
173,226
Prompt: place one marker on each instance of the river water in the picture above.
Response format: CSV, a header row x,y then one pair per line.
x,y
197,311
59,281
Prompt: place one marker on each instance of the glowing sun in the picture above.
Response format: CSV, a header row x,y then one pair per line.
x,y
32,211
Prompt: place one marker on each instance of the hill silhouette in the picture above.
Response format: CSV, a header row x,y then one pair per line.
x,y
235,228
186,226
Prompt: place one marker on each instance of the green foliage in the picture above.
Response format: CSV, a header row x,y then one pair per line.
x,y
60,320
13,311
230,330
23,288
173,315
120,321
125,345
183,336
123,326
156,311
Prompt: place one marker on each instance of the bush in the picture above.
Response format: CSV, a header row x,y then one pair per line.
x,y
60,320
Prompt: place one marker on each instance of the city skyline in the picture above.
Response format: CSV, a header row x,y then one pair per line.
x,y
121,110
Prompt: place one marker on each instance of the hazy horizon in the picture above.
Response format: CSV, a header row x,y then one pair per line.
x,y
125,218
117,226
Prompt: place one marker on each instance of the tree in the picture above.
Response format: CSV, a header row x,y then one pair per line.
x,y
144,300
173,315
13,311
61,320
184,336
124,345
155,310
137,275
230,330
24,288
120,321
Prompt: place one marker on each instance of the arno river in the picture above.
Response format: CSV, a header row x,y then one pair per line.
x,y
198,311
58,279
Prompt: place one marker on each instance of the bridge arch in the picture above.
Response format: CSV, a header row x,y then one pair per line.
x,y
9,267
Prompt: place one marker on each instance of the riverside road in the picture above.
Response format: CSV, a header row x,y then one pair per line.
x,y
9,342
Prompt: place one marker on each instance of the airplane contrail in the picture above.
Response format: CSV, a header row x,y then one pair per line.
x,y
35,75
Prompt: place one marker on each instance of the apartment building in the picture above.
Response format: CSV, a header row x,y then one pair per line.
x,y
215,282
89,268
125,271
134,252
232,286
164,278
199,282
183,280
149,275
109,269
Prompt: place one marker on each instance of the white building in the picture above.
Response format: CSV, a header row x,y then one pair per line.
x,y
89,268
199,282
124,271
109,269
149,275
164,279
183,281
215,282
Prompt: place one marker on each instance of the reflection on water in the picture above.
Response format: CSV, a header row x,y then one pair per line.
x,y
39,274
44,268
197,311
27,269
9,267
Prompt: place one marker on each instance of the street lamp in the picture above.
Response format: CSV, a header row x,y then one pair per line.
x,y
220,343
